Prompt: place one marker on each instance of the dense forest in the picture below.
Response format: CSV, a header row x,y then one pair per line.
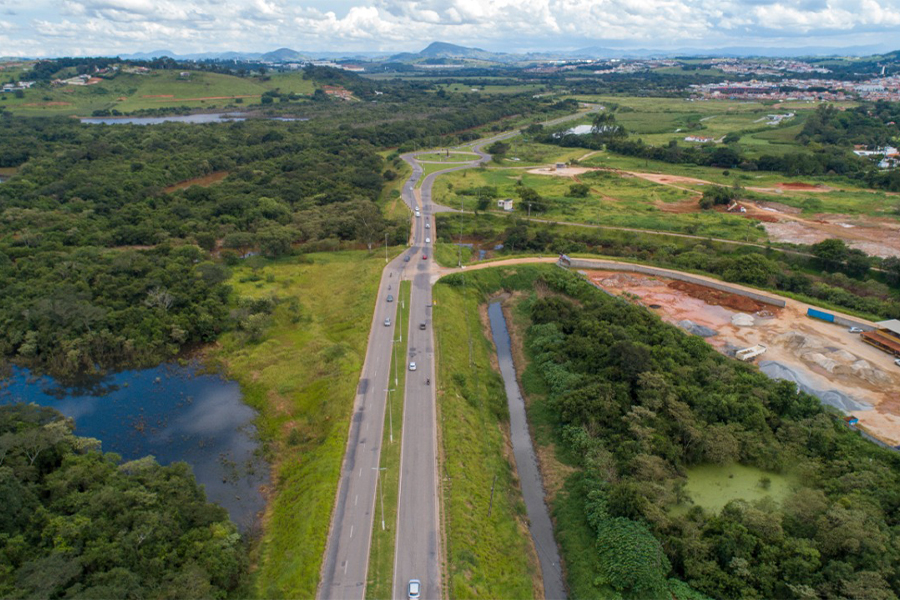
x,y
80,523
104,265
637,402
872,125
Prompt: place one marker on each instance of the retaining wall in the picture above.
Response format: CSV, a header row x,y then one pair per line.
x,y
608,265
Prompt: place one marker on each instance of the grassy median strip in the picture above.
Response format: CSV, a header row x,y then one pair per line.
x,y
379,582
300,370
487,553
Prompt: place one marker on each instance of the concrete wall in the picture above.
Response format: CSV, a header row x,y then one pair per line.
x,y
851,323
608,265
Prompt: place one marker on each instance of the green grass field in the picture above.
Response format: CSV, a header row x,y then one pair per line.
x,y
302,379
613,200
492,89
487,556
381,554
453,157
158,89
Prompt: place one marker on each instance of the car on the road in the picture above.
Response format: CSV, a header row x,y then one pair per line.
x,y
390,298
387,322
427,225
413,589
422,325
412,366
897,361
428,240
406,258
424,256
855,330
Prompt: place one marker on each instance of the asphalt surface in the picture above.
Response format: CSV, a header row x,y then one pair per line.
x,y
346,560
418,542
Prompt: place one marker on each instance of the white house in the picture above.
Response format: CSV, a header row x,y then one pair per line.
x,y
506,204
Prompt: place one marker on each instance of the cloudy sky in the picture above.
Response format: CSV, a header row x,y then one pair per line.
x,y
95,27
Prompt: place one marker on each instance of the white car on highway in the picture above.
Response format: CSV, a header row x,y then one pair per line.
x,y
413,591
427,225
412,366
428,240
387,322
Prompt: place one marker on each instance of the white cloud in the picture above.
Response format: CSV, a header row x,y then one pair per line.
x,y
106,26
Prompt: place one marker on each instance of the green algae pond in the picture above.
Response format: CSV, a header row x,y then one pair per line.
x,y
713,486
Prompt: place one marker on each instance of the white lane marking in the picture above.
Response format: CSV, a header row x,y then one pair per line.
x,y
345,567
355,502
351,532
360,471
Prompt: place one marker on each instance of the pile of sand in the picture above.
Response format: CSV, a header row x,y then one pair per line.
x,y
742,320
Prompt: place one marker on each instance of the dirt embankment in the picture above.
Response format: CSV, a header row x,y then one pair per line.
x,y
202,181
722,298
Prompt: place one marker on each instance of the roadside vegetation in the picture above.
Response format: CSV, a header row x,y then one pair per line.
x,y
631,405
299,367
485,536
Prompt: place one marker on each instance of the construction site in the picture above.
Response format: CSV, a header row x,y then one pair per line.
x,y
823,358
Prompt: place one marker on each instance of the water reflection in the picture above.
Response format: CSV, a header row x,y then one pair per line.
x,y
197,118
171,412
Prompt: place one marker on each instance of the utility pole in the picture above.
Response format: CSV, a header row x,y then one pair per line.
x,y
390,412
459,245
529,210
377,478
385,247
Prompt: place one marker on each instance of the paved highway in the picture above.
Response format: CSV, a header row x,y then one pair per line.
x,y
346,562
418,541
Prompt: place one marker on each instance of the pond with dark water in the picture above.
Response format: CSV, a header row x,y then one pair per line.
x,y
197,118
172,412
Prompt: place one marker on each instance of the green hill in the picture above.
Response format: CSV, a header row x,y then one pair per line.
x,y
130,92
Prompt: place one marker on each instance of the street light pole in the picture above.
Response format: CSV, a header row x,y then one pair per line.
x,y
394,348
459,261
385,247
382,492
390,412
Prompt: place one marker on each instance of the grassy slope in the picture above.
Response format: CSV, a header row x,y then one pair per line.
x,y
381,554
302,377
487,556
129,92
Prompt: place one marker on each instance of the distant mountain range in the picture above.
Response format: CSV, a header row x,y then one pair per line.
x,y
437,51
